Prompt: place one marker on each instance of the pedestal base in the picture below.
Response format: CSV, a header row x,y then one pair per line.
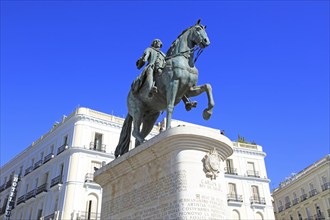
x,y
175,175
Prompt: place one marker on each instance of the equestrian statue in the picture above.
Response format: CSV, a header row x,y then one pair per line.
x,y
164,82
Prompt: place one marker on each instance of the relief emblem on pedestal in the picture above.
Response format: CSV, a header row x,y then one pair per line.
x,y
212,164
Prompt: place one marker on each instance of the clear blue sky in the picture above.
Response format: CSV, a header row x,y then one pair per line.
x,y
268,63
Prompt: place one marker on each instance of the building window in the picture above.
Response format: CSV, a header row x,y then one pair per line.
x,y
65,140
229,169
97,144
308,212
235,215
312,191
251,171
255,198
39,213
280,206
55,204
20,172
91,207
287,202
303,196
232,193
295,199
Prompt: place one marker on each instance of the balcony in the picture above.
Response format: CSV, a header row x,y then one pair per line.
x,y
313,192
37,164
295,201
97,147
303,197
89,177
280,209
287,205
56,180
28,170
20,200
234,198
31,194
258,200
325,186
89,215
62,148
42,188
48,157
232,171
253,173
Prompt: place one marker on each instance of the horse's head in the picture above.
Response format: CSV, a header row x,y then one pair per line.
x,y
199,36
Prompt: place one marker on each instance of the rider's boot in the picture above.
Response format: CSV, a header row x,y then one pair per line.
x,y
191,104
154,90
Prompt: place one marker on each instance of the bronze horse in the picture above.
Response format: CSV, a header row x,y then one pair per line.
x,y
178,78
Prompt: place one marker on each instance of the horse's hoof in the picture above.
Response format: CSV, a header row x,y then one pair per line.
x,y
207,114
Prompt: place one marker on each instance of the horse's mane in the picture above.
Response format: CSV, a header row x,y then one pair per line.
x,y
173,45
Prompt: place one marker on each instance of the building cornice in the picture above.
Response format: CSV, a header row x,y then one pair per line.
x,y
240,150
292,182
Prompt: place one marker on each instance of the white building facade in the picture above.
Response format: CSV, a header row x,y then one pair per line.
x,y
56,172
305,195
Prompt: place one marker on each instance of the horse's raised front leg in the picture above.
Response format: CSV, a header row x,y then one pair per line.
x,y
171,93
197,90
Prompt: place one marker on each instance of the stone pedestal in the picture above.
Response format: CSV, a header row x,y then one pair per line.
x,y
175,175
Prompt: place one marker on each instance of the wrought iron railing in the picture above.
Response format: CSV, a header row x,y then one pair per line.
x,y
30,194
56,180
50,217
295,201
303,197
258,200
62,148
253,173
48,157
37,164
325,186
229,170
89,177
281,208
287,205
42,188
88,215
97,147
234,197
313,192
21,199
28,170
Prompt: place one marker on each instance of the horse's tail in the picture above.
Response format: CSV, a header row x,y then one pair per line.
x,y
125,136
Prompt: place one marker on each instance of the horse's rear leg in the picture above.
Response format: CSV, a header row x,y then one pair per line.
x,y
172,90
148,123
137,119
197,90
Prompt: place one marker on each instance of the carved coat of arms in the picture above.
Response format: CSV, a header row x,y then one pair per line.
x,y
212,164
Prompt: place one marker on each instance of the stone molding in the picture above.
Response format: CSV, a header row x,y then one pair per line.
x,y
199,139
